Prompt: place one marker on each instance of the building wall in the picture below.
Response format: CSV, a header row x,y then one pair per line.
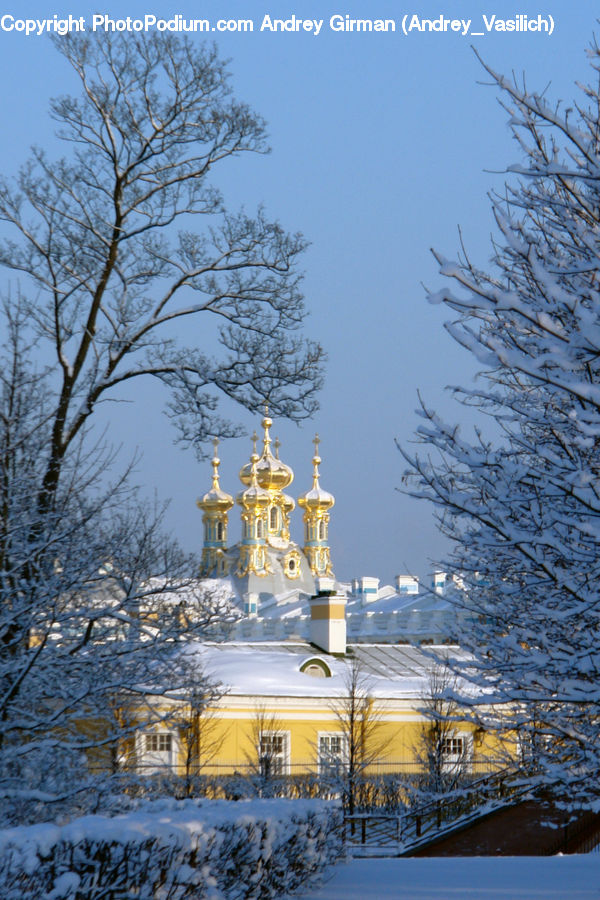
x,y
236,722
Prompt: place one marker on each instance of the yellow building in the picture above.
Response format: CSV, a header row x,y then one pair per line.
x,y
290,707
286,710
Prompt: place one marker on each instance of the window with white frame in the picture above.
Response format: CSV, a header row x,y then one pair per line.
x,y
155,751
457,750
274,753
333,753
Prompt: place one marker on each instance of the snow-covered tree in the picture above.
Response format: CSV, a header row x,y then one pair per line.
x,y
442,752
521,502
198,727
359,721
94,599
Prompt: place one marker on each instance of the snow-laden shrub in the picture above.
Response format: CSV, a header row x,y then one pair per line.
x,y
173,850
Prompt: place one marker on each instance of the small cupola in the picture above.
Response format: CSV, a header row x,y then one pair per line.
x,y
316,504
215,506
215,500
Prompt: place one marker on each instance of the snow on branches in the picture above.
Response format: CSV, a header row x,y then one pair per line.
x,y
95,599
174,850
522,505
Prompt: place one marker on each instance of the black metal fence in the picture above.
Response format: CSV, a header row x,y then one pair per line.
x,y
580,835
386,787
421,822
470,769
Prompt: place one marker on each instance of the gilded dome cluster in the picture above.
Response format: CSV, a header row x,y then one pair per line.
x,y
265,513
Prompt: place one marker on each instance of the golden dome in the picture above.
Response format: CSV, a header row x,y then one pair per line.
x,y
316,498
271,473
255,495
215,499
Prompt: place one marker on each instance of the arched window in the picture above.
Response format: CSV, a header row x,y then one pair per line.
x,y
322,531
259,528
274,519
219,531
316,667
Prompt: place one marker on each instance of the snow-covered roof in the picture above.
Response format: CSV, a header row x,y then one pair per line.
x,y
274,669
394,602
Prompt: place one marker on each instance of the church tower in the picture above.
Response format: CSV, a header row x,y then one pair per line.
x,y
255,503
316,504
215,506
268,561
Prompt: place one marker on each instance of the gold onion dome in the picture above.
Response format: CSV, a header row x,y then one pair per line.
x,y
254,495
271,473
316,498
216,499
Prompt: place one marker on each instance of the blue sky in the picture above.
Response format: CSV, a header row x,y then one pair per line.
x,y
383,144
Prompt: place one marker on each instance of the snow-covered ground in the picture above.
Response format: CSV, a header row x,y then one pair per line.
x,y
474,878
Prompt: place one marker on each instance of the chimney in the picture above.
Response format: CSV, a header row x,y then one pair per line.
x,y
328,621
407,584
365,589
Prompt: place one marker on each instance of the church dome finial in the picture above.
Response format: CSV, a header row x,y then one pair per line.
x,y
216,499
271,472
316,498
